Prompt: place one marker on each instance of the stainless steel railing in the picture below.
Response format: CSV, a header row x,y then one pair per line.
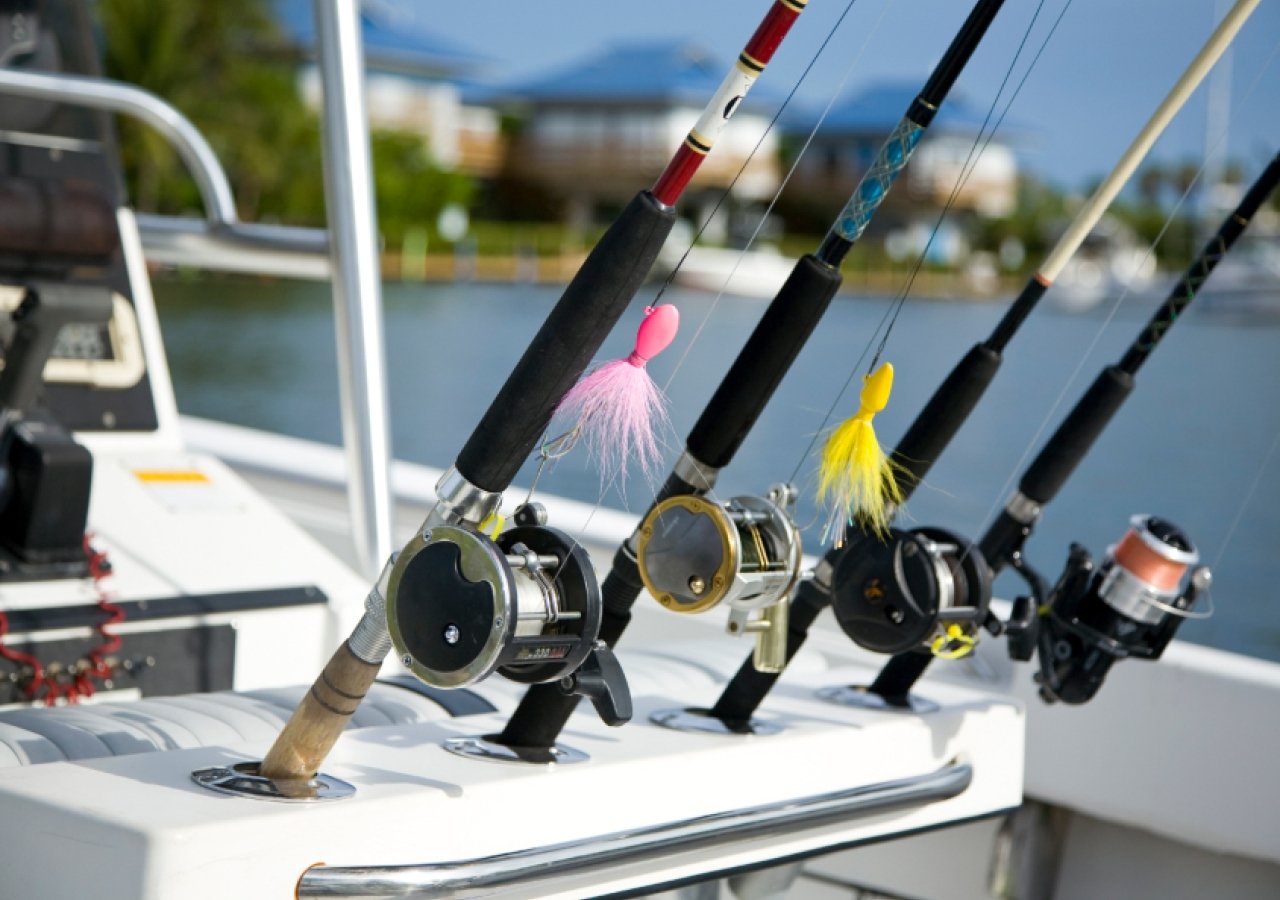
x,y
482,876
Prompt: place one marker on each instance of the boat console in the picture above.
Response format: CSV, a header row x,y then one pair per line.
x,y
195,574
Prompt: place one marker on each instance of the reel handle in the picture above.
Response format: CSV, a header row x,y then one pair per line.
x,y
601,680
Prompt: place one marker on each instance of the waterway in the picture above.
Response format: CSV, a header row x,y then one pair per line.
x,y
1189,445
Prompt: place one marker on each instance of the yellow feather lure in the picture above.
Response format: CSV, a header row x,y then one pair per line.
x,y
856,476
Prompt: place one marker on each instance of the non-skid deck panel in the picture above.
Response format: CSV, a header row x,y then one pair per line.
x,y
693,671
33,736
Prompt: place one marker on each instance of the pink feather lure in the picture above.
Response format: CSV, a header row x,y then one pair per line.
x,y
616,406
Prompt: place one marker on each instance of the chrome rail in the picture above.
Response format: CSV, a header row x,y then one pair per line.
x,y
284,251
115,96
357,281
482,876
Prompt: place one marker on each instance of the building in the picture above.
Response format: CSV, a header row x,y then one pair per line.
x,y
853,132
595,132
412,80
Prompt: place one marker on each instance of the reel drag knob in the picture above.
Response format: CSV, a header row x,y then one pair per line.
x,y
695,554
461,606
925,588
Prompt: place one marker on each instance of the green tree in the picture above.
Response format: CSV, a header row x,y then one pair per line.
x,y
226,66
410,188
1034,221
219,63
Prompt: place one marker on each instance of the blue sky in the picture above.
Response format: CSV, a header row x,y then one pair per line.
x,y
1102,74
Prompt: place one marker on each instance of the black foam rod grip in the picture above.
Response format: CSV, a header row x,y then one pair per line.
x,y
943,415
561,350
764,360
1060,456
743,695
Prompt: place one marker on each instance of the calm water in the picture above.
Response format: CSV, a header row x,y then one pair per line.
x,y
1188,444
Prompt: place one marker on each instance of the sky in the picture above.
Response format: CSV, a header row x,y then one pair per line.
x,y
1100,77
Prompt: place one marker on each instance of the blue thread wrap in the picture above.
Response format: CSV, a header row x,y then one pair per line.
x,y
874,186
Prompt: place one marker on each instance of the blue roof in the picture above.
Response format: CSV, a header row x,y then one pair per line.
x,y
878,108
658,72
396,34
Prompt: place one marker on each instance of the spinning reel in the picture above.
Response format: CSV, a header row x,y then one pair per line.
x,y
695,554
526,604
921,589
1129,606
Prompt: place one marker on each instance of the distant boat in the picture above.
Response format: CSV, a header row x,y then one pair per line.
x,y
1109,264
758,272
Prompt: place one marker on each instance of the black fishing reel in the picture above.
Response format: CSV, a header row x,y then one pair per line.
x,y
526,604
1128,607
908,590
695,554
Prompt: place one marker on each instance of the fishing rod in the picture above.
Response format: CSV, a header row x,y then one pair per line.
x,y
460,600
752,544
1129,607
940,419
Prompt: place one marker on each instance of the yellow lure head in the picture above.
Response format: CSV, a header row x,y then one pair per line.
x,y
875,391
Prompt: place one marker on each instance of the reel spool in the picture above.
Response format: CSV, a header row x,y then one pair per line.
x,y
695,554
921,589
526,604
1131,606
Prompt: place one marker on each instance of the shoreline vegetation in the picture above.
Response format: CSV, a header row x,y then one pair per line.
x,y
529,268
448,223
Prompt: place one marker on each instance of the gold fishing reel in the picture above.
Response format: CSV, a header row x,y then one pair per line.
x,y
695,554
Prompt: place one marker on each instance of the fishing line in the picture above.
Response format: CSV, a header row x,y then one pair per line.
x,y
809,140
710,489
754,150
778,193
1248,498
857,366
552,449
994,509
967,170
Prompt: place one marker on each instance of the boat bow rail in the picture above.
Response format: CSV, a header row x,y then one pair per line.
x,y
596,858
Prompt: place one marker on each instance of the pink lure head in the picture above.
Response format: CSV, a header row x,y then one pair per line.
x,y
656,333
